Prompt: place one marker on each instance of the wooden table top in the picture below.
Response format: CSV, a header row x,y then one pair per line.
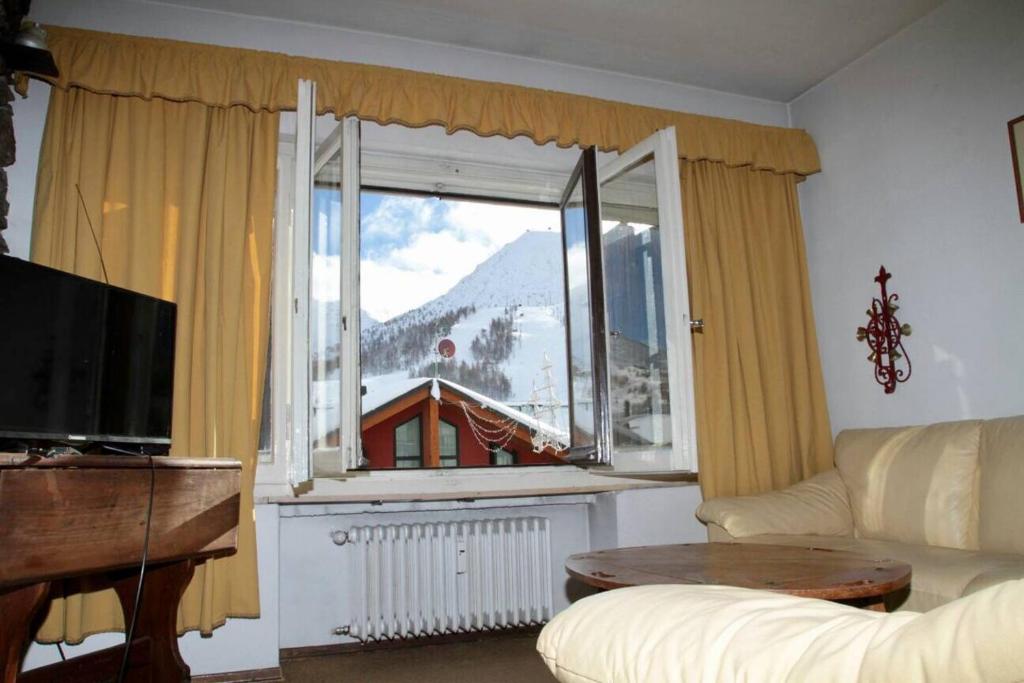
x,y
807,572
28,461
83,514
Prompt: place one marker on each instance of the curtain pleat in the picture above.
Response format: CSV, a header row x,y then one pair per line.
x,y
151,68
181,197
762,419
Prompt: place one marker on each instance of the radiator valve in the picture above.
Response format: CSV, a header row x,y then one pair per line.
x,y
339,537
341,630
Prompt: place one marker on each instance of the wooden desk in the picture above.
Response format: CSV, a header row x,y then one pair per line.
x,y
808,572
77,523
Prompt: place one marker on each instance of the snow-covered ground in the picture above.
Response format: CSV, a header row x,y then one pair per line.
x,y
538,331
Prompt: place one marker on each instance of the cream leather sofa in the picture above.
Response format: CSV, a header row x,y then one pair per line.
x,y
677,634
947,498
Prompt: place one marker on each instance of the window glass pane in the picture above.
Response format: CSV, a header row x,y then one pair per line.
x,y
325,305
449,435
634,300
408,452
484,278
580,351
503,458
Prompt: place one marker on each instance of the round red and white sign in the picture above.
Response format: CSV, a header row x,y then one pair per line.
x,y
446,348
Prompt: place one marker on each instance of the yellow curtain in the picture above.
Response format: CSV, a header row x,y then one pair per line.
x,y
224,76
181,197
761,412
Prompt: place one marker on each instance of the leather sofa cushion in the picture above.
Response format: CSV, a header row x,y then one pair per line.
x,y
913,484
939,574
672,634
1001,489
818,505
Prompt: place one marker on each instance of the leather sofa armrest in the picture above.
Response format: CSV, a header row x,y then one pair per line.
x,y
718,534
817,506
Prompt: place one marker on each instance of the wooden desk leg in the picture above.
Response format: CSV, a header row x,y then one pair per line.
x,y
18,607
158,616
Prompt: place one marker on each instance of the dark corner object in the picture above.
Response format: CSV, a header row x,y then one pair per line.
x,y
22,48
1016,127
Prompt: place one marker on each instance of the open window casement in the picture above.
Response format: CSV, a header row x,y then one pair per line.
x,y
631,404
322,403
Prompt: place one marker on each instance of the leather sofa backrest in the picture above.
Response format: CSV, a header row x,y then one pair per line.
x,y
1001,487
914,484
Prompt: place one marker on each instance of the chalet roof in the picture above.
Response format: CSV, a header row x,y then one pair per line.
x,y
382,391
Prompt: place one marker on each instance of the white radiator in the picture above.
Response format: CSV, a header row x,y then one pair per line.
x,y
450,577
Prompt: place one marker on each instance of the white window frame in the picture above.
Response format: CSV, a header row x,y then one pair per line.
x,y
287,462
345,138
662,147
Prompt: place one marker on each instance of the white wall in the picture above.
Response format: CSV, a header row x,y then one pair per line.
x,y
917,176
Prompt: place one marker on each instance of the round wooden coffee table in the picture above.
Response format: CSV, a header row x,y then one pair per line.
x,y
808,572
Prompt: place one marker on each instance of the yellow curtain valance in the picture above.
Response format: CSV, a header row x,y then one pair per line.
x,y
221,76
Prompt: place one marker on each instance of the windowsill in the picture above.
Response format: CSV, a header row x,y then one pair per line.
x,y
484,483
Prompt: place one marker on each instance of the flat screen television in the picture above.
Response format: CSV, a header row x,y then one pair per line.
x,y
83,363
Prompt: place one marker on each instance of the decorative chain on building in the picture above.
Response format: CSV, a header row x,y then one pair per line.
x,y
489,437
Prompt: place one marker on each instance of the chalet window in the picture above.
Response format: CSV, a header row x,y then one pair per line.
x,y
622,310
501,457
408,444
449,435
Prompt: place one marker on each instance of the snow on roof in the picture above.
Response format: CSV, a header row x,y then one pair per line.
x,y
386,388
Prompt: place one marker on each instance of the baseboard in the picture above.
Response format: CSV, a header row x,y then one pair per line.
x,y
271,675
350,648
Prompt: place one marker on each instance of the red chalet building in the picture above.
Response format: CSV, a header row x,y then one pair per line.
x,y
422,422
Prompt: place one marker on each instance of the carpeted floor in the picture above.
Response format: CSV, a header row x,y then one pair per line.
x,y
507,659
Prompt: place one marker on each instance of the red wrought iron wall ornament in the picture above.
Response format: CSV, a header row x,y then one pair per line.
x,y
884,335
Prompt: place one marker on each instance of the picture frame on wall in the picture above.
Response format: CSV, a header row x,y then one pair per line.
x,y
1016,127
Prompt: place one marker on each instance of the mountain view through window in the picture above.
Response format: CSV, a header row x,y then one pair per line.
x,y
485,277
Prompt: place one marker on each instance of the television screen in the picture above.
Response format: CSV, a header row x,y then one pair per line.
x,y
81,361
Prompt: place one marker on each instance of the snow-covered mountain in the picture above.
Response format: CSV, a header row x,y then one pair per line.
x,y
520,286
526,271
366,321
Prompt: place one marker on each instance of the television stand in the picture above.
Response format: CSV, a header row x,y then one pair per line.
x,y
76,523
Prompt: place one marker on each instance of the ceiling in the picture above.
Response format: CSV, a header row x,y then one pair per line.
x,y
773,49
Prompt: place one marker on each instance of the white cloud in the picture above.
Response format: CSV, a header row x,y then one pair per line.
x,y
388,291
422,248
440,253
